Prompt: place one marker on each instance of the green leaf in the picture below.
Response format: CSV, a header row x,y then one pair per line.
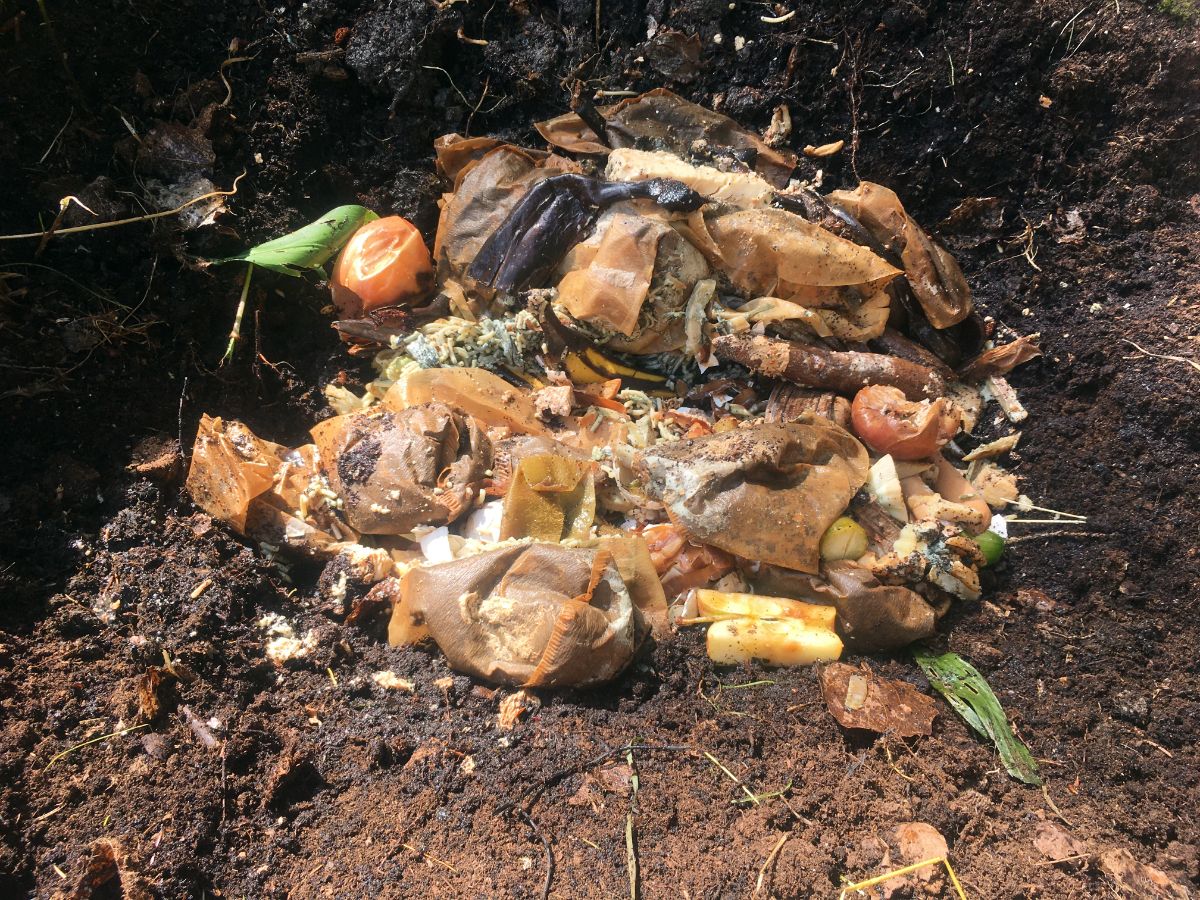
x,y
309,247
967,691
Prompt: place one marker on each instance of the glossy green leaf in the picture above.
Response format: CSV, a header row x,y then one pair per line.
x,y
968,692
309,247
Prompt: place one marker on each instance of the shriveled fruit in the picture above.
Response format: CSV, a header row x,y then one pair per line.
x,y
384,264
889,423
844,539
992,546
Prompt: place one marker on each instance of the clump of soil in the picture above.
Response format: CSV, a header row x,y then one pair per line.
x,y
134,623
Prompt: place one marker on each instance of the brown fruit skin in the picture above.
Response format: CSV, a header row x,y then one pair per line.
x,y
888,423
385,263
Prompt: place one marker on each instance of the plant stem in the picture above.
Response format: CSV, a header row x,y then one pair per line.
x,y
235,333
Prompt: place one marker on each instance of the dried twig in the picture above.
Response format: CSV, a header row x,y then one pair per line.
x,y
762,873
1049,534
146,218
549,853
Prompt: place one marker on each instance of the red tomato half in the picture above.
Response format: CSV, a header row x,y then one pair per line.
x,y
384,264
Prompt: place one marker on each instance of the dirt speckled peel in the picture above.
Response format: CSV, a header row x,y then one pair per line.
x,y
230,467
764,492
535,615
935,278
397,470
777,642
665,121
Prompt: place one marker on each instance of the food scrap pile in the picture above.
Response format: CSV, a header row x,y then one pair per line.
x,y
645,379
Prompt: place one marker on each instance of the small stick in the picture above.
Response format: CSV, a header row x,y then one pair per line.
x,y
549,853
430,857
1183,359
770,859
235,333
631,856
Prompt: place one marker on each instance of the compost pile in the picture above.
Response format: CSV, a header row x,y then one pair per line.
x,y
645,379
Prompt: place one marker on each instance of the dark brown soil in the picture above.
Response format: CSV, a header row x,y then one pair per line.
x,y
245,781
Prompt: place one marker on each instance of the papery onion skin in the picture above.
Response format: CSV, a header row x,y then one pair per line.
x,y
888,423
385,263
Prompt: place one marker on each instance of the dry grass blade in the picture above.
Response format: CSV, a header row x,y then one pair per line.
x,y
95,740
906,870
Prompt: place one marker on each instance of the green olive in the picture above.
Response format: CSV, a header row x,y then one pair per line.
x,y
992,546
844,539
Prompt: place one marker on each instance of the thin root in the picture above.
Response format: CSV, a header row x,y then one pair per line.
x,y
1183,359
77,229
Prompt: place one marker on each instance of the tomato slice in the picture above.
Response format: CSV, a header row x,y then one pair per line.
x,y
889,423
385,263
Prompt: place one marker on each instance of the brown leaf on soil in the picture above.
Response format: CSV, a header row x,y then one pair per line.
x,y
1055,843
110,872
858,698
1132,879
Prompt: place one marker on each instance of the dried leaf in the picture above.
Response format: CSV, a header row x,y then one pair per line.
x,y
1002,359
859,698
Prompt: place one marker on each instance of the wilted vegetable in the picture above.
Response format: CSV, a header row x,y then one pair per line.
x,y
888,423
934,276
385,263
487,398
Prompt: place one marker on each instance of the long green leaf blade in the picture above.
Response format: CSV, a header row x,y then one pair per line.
x,y
309,247
972,698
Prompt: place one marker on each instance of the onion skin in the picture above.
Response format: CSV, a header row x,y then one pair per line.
x,y
889,424
385,263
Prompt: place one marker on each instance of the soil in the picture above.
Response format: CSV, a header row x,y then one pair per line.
x,y
150,748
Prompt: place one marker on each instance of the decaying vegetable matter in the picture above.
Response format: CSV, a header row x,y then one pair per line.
x,y
642,368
